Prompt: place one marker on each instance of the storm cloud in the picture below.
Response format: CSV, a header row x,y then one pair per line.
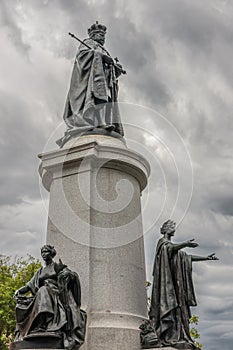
x,y
176,104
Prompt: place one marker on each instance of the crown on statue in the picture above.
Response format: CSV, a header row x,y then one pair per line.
x,y
97,28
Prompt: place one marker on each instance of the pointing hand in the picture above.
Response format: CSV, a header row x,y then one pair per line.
x,y
191,244
212,257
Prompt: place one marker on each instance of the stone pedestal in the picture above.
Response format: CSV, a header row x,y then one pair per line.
x,y
38,343
95,223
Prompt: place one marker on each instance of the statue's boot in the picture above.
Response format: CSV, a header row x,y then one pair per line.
x,y
109,127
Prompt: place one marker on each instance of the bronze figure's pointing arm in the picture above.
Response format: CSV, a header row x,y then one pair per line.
x,y
187,244
204,258
172,293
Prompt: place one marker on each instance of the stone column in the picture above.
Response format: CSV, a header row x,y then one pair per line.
x,y
95,223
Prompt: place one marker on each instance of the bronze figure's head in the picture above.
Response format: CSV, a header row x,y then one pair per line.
x,y
97,32
48,251
168,227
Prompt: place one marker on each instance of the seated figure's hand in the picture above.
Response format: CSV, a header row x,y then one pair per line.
x,y
64,272
191,244
19,291
64,275
16,294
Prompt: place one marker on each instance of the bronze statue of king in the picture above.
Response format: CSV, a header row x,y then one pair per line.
x,y
91,105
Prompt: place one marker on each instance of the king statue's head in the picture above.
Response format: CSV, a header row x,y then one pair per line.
x,y
97,32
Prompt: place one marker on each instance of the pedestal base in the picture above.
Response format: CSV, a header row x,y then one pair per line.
x,y
45,343
167,348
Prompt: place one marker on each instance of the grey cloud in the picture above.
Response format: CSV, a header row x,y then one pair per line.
x,y
32,241
195,24
216,196
224,312
204,32
7,19
19,150
222,205
215,332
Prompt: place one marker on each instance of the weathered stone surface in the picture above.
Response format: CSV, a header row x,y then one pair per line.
x,y
95,222
39,343
165,348
108,335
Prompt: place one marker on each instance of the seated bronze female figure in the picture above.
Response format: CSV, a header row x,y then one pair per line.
x,y
54,308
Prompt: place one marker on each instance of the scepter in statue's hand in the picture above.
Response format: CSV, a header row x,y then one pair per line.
x,y
115,64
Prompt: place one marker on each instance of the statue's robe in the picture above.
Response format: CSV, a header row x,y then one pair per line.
x,y
55,306
92,96
172,295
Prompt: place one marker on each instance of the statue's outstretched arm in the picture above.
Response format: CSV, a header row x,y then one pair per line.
x,y
187,244
204,258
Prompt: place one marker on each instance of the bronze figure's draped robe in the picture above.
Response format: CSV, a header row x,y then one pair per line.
x,y
54,308
172,295
92,97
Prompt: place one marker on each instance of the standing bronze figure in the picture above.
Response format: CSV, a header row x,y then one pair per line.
x,y
54,308
93,94
172,291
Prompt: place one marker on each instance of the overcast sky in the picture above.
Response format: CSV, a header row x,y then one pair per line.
x,y
177,110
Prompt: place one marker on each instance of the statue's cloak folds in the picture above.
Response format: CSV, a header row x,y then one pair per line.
x,y
93,84
172,292
56,295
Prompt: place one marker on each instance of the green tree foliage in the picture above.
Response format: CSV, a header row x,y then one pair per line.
x,y
194,332
13,275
